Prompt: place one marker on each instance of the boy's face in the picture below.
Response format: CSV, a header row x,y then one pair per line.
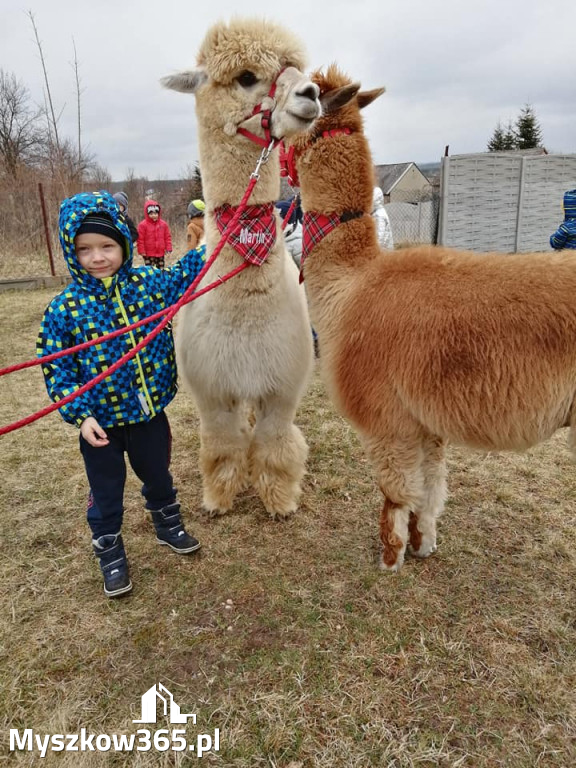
x,y
153,215
99,255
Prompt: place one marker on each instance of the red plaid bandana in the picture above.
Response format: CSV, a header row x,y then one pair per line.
x,y
315,226
255,231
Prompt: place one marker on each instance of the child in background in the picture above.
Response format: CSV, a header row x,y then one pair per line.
x,y
122,200
293,229
125,412
154,239
383,228
565,235
195,229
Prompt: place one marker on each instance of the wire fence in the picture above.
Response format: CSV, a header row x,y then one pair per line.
x,y
414,217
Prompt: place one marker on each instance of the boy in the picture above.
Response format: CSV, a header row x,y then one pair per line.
x,y
122,201
565,235
195,228
154,239
125,412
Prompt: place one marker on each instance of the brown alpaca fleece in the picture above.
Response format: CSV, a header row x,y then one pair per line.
x,y
425,345
475,347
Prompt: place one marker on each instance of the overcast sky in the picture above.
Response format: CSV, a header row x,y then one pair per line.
x,y
452,69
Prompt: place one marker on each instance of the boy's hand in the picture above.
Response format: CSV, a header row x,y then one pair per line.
x,y
93,433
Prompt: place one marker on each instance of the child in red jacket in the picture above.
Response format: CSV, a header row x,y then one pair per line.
x,y
154,239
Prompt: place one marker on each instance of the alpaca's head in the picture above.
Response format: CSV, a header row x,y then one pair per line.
x,y
341,100
332,160
236,67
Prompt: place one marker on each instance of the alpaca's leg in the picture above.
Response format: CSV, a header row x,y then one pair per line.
x,y
397,463
224,443
278,455
422,523
572,431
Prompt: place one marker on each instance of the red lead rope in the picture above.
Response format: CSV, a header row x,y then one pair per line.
x,y
169,314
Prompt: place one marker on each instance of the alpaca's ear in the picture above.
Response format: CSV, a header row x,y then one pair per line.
x,y
333,100
367,97
186,82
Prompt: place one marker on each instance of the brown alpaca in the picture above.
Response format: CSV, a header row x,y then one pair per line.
x,y
426,345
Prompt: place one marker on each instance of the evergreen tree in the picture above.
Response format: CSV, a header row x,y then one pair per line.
x,y
496,143
528,129
510,139
502,139
525,134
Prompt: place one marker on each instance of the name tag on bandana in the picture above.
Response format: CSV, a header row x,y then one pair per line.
x,y
254,233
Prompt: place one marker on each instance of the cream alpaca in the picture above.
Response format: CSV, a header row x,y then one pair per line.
x,y
426,345
245,348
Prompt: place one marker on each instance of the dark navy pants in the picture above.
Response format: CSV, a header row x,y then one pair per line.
x,y
147,446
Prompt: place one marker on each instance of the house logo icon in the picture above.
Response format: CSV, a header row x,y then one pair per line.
x,y
169,706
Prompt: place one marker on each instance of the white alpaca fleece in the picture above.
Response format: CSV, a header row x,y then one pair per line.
x,y
268,48
245,348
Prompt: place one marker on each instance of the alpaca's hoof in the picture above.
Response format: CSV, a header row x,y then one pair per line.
x,y
389,567
213,512
425,550
278,514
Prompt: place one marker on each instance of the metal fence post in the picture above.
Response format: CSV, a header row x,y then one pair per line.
x,y
520,203
444,173
46,228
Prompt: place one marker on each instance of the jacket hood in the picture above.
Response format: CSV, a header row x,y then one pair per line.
x,y
122,199
152,202
570,204
377,199
73,211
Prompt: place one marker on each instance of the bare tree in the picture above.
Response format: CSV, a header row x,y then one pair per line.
x,y
21,136
54,121
98,176
78,103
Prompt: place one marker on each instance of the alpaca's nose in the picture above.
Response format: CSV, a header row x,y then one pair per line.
x,y
310,91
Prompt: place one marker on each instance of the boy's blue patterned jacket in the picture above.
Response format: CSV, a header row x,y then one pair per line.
x,y
565,235
88,308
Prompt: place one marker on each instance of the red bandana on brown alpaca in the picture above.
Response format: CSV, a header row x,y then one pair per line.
x,y
315,226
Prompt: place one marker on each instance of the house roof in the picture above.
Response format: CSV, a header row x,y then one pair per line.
x,y
389,175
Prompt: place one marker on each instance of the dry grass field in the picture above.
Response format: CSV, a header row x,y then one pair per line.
x,y
286,636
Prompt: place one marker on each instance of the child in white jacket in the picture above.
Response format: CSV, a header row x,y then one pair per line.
x,y
383,228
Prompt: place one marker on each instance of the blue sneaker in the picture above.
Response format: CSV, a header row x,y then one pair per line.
x,y
170,530
109,550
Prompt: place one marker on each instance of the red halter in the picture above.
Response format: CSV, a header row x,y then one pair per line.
x,y
265,122
288,157
288,165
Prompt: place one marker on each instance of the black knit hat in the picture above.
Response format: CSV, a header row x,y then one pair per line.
x,y
102,224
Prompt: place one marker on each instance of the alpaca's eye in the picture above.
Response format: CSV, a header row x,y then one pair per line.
x,y
246,79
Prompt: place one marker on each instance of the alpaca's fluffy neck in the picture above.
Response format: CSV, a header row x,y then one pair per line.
x,y
337,176
227,164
